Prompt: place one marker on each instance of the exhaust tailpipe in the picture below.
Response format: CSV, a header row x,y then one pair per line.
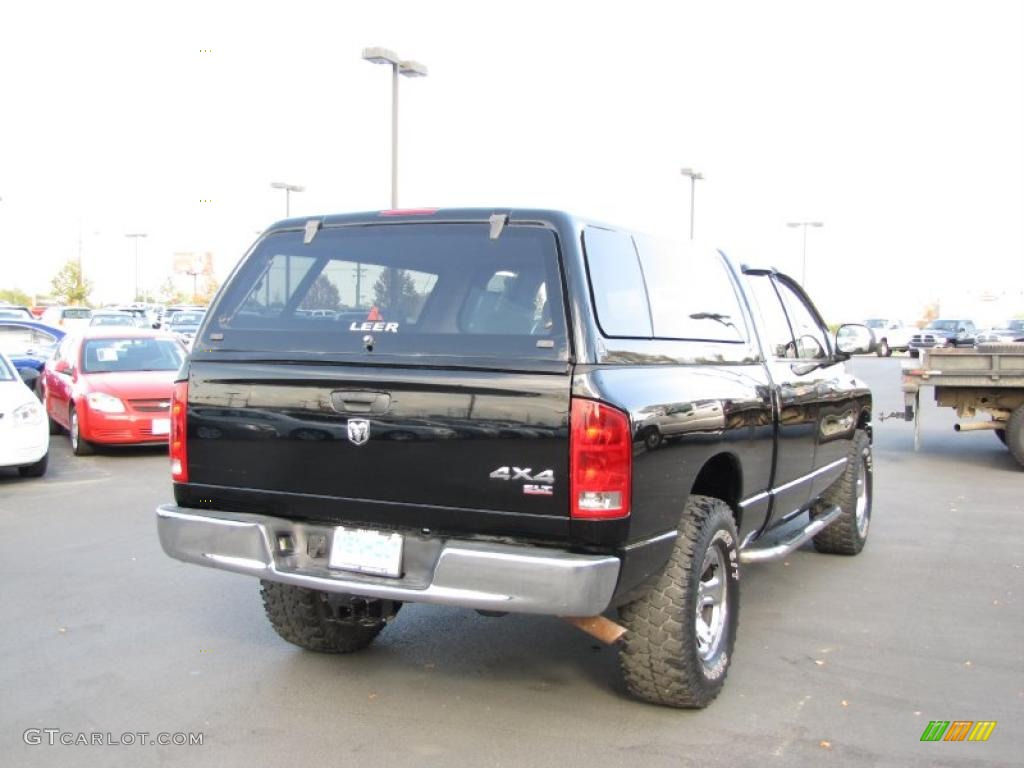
x,y
975,426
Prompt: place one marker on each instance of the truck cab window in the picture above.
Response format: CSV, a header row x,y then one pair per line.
x,y
778,335
810,336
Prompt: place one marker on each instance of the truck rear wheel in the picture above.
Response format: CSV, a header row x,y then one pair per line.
x,y
321,621
852,493
680,634
1015,434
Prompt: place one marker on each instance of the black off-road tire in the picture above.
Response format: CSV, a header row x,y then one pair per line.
x,y
308,619
1015,434
659,656
848,534
35,470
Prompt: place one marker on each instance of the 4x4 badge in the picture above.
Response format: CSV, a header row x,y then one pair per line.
x,y
358,431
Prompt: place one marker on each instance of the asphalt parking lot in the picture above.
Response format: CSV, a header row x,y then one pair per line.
x,y
839,660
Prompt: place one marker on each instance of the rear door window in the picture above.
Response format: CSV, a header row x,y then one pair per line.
x,y
692,296
617,282
434,289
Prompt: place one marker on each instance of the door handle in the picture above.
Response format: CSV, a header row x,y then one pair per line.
x,y
358,401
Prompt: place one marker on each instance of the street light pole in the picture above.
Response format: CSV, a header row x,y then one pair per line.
x,y
805,225
407,68
288,189
135,236
694,176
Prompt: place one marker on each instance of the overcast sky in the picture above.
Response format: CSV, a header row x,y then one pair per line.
x,y
898,124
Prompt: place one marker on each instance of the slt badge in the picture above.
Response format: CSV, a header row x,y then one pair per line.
x,y
358,431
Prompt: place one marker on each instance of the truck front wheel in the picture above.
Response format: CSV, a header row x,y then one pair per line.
x,y
321,621
852,493
680,635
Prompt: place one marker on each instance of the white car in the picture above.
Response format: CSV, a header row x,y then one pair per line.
x,y
890,335
24,431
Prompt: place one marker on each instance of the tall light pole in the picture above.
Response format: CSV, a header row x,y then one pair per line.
x,y
694,177
805,225
398,67
288,189
136,236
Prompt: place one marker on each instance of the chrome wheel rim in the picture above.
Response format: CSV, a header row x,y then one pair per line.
x,y
712,604
863,508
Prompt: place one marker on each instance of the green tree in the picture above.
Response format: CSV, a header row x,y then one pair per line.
x,y
323,294
931,312
169,294
207,290
14,296
395,295
69,287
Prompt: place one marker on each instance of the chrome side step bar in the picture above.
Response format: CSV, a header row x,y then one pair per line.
x,y
784,547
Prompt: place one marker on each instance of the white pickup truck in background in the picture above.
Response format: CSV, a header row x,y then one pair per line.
x,y
891,335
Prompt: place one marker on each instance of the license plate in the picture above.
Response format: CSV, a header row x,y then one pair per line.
x,y
355,549
161,426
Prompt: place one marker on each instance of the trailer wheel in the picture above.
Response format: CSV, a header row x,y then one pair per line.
x,y
1015,434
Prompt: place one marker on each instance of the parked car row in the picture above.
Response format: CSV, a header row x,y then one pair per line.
x,y
941,333
103,384
1012,331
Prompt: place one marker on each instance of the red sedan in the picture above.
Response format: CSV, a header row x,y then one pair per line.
x,y
112,386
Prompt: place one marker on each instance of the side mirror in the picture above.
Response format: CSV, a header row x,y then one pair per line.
x,y
854,339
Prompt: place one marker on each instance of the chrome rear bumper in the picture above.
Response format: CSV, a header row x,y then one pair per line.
x,y
474,574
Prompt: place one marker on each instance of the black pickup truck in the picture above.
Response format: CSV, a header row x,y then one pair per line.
x,y
514,411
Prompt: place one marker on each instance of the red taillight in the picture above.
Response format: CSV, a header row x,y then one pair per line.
x,y
600,461
179,452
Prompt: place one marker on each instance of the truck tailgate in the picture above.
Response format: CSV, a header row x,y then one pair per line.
x,y
418,437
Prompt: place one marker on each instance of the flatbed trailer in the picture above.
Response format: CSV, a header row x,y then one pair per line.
x,y
987,380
